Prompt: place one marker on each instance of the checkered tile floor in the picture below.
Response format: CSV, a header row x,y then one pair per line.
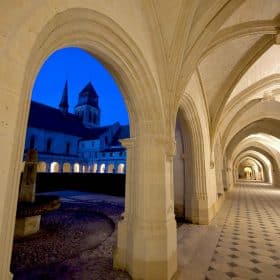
x,y
249,243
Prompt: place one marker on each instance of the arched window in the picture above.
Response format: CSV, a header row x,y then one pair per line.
x,y
66,167
42,166
102,168
32,142
95,168
49,145
111,168
84,169
76,167
121,168
54,167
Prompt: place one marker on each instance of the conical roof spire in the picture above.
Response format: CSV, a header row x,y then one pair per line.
x,y
88,96
63,105
89,90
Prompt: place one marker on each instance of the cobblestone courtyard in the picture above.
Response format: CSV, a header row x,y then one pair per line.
x,y
242,242
75,242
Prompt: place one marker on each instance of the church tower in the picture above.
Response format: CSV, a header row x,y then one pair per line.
x,y
87,108
63,105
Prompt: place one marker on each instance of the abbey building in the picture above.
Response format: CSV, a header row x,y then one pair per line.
x,y
76,142
201,82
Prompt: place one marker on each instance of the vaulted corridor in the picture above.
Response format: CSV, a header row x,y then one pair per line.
x,y
242,242
210,67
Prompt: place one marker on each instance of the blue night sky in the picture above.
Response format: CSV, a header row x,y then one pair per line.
x,y
79,67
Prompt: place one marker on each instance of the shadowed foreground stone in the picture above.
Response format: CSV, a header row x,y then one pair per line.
x,y
74,242
41,205
29,214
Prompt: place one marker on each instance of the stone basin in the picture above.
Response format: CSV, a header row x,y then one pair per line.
x,y
29,213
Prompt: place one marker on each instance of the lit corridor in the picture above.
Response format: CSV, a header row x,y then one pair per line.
x,y
241,243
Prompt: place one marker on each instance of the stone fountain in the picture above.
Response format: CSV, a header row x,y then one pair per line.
x,y
32,206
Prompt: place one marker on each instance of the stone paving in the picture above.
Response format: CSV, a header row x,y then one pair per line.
x,y
242,242
75,243
248,246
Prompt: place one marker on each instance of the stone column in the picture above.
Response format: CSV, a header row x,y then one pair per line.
x,y
147,238
196,199
200,212
48,167
28,182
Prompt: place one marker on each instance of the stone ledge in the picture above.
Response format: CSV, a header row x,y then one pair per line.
x,y
28,225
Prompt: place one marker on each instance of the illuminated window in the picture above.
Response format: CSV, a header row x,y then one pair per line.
x,y
102,168
121,168
54,167
76,167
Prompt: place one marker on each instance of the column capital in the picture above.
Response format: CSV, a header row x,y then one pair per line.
x,y
128,143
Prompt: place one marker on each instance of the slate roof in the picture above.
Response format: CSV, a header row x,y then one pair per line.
x,y
114,149
122,133
88,96
52,119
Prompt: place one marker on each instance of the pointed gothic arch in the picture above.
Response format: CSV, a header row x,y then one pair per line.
x,y
197,208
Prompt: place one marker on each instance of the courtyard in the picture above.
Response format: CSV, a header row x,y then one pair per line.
x,y
76,241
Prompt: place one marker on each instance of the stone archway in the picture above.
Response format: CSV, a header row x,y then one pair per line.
x,y
249,169
120,169
76,168
42,166
104,39
66,168
179,170
95,166
264,164
110,168
54,167
198,208
102,168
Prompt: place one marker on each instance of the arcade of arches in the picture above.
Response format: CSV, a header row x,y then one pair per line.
x,y
66,167
201,83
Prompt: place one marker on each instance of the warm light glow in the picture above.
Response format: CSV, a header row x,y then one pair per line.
x,y
102,168
42,166
76,167
84,169
54,167
66,167
110,168
95,168
121,168
247,169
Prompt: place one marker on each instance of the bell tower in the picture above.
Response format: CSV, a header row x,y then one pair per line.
x,y
87,108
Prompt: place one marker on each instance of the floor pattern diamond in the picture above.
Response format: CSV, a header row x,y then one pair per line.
x,y
249,246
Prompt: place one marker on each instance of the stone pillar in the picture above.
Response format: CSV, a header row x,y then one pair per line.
x,y
48,167
199,212
147,238
28,182
197,208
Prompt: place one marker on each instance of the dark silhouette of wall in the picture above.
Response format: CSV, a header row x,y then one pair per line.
x,y
112,184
